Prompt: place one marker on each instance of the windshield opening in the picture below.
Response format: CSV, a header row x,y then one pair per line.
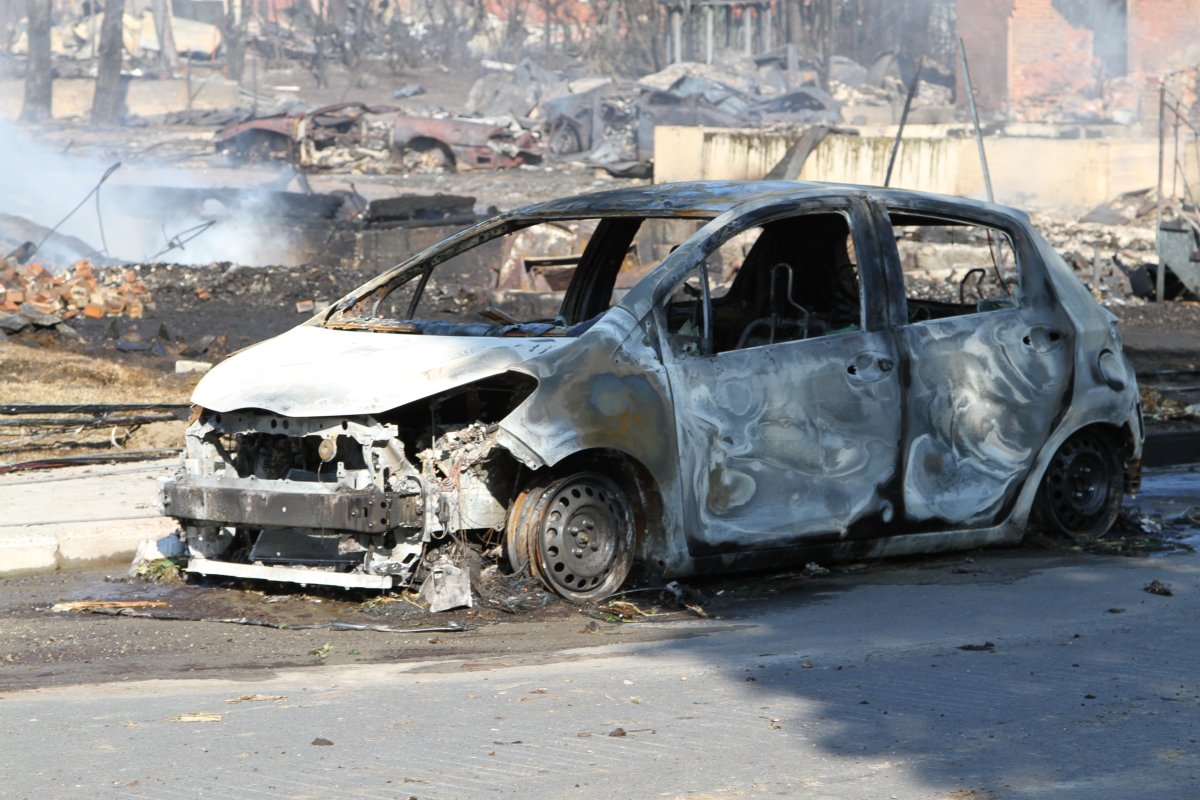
x,y
530,278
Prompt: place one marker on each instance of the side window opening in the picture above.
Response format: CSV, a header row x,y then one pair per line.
x,y
788,280
953,268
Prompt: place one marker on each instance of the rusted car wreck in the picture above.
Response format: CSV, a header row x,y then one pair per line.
x,y
315,138
687,378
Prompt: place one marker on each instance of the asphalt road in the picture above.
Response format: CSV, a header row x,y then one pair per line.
x,y
1009,674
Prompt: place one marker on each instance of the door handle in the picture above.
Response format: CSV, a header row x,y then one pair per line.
x,y
1041,339
869,367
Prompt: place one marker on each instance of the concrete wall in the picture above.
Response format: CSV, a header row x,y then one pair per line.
x,y
1038,172
73,96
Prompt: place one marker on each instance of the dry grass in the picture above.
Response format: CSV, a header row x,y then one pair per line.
x,y
48,375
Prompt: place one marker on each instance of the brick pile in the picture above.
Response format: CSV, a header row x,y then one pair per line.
x,y
80,291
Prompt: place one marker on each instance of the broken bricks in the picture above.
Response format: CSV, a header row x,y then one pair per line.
x,y
45,300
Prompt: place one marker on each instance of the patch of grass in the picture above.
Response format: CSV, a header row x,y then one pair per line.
x,y
160,570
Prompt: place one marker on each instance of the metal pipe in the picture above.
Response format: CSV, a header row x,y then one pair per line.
x,y
912,91
987,175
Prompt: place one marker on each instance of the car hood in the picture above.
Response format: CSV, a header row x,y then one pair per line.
x,y
320,372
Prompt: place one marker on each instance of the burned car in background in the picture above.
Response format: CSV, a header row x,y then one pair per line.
x,y
622,116
692,378
331,135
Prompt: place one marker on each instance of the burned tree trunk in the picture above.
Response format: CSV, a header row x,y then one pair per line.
x,y
233,30
823,32
168,58
106,105
38,75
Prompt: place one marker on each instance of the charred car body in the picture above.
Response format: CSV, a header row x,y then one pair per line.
x,y
696,378
309,139
624,115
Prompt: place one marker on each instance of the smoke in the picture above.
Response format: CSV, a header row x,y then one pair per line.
x,y
138,214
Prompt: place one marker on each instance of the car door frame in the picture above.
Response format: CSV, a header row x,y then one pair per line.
x,y
866,510
1014,365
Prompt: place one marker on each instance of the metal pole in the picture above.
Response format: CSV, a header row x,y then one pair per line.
x,y
912,91
709,34
1159,276
748,29
676,36
987,176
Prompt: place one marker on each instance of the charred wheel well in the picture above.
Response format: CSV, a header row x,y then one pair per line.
x,y
635,480
426,143
1124,442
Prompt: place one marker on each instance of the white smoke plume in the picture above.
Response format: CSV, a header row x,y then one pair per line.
x,y
41,184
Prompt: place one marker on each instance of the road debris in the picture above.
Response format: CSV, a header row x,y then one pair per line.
x,y
1159,588
258,698
198,716
448,586
104,605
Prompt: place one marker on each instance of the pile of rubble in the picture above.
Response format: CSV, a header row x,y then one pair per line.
x,y
31,296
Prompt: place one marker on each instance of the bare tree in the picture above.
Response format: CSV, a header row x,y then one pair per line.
x,y
38,74
632,39
106,105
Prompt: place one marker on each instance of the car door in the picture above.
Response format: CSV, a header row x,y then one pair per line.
x,y
784,382
986,369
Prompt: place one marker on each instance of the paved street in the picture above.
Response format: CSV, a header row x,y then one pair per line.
x,y
1013,674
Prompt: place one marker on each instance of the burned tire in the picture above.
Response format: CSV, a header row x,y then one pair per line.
x,y
1080,494
563,140
575,533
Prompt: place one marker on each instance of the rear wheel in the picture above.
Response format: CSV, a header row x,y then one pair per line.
x,y
576,533
1080,494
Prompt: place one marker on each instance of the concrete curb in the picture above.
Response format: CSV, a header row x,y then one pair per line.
x,y
28,550
79,515
1171,448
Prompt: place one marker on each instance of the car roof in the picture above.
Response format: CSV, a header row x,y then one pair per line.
x,y
711,198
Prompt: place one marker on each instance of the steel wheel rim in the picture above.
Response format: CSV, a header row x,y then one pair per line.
x,y
1079,484
584,536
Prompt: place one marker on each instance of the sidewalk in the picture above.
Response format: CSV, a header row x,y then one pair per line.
x,y
59,518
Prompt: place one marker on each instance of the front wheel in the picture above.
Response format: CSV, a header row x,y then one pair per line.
x,y
1080,494
575,534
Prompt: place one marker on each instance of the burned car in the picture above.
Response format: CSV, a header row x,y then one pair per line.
x,y
324,136
624,115
689,378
